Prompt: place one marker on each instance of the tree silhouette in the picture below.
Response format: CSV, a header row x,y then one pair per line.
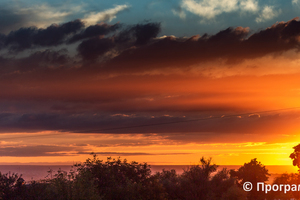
x,y
117,179
252,172
295,156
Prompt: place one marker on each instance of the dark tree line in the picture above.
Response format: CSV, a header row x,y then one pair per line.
x,y
117,179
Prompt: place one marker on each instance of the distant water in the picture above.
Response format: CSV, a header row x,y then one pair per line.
x,y
33,172
38,172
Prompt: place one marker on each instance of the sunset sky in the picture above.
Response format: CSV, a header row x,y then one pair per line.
x,y
162,82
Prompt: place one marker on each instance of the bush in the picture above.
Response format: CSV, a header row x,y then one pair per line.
x,y
11,186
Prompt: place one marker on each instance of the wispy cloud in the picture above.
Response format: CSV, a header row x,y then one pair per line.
x,y
295,2
249,5
104,16
40,15
209,8
45,14
267,13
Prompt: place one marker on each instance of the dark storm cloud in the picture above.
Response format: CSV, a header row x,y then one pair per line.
x,y
95,30
173,52
95,43
53,35
140,33
92,48
20,39
231,45
49,57
50,150
35,151
166,126
278,38
39,60
2,40
131,153
43,60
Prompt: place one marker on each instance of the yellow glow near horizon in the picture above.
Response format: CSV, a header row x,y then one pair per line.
x,y
268,153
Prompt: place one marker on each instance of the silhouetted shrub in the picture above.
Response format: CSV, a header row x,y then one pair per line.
x,y
11,186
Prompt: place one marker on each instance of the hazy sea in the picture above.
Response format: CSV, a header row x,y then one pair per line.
x,y
38,172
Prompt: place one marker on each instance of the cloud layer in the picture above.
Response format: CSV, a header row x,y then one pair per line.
x,y
118,79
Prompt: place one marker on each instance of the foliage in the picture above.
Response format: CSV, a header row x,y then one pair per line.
x,y
220,184
196,179
295,156
234,193
117,179
289,179
197,182
11,186
253,172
